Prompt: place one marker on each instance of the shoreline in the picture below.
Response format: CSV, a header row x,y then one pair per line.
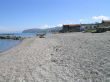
x,y
70,57
13,48
10,44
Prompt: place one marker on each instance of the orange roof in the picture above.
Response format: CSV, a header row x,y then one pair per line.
x,y
72,25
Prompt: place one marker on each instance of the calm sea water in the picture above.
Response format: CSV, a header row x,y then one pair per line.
x,y
7,44
22,34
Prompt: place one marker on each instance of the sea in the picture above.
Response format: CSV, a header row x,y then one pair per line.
x,y
6,44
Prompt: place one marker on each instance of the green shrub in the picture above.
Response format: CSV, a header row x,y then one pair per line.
x,y
91,31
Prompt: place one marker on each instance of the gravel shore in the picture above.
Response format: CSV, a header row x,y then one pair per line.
x,y
68,57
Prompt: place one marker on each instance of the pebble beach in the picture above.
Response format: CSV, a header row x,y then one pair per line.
x,y
65,57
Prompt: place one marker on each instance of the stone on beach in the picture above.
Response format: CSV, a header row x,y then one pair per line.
x,y
68,57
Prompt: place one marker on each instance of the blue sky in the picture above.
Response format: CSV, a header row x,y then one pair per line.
x,y
17,15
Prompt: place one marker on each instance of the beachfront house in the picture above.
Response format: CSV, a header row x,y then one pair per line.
x,y
89,26
100,27
78,27
104,26
105,23
71,28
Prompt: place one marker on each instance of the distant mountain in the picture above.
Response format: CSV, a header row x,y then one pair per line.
x,y
54,29
36,30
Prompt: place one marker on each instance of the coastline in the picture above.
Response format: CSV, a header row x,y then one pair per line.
x,y
15,47
66,57
12,40
7,44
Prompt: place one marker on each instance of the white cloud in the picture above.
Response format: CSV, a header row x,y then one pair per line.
x,y
101,17
81,20
58,25
48,26
43,26
94,19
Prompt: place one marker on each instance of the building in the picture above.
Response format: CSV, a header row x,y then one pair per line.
x,y
104,26
89,26
105,23
99,27
71,28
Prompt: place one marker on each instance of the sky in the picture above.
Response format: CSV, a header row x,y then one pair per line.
x,y
18,15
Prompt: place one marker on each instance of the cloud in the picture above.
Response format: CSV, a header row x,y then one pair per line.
x,y
58,25
84,20
81,20
101,17
43,26
94,19
48,26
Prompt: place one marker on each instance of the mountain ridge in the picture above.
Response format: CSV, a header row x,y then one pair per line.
x,y
38,30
